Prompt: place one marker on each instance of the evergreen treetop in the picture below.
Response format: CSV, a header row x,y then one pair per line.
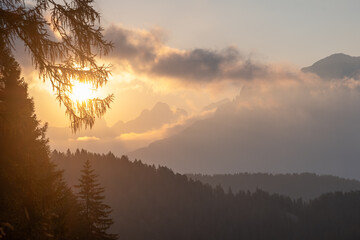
x,y
95,212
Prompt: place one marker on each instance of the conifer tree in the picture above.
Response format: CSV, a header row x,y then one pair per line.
x,y
94,211
33,193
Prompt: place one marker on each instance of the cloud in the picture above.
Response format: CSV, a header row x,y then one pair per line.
x,y
135,140
144,52
134,46
150,125
86,138
311,126
207,65
152,119
150,135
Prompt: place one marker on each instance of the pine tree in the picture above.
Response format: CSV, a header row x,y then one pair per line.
x,y
33,193
95,212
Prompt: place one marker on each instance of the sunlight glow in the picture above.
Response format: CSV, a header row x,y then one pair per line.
x,y
82,92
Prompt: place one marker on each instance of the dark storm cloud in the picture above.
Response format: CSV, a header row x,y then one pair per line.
x,y
207,65
144,51
133,46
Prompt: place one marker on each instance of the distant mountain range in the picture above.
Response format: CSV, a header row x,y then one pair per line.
x,y
313,132
102,138
305,185
336,66
151,119
264,140
148,119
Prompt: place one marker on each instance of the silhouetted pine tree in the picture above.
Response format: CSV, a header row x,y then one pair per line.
x,y
95,212
35,202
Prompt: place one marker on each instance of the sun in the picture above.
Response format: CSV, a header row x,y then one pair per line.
x,y
82,92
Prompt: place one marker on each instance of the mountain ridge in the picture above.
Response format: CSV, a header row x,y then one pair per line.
x,y
151,119
335,66
296,185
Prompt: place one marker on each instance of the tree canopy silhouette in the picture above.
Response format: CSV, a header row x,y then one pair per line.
x,y
35,202
63,47
95,212
155,203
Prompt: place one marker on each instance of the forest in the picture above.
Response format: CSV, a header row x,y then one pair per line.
x,y
156,203
296,185
35,200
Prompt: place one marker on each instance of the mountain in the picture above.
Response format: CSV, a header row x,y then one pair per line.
x,y
102,138
305,134
336,66
305,185
151,119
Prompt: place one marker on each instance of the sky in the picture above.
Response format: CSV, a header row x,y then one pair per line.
x,y
298,31
225,76
292,32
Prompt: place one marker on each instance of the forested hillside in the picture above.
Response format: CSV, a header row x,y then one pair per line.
x,y
35,201
156,203
305,185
